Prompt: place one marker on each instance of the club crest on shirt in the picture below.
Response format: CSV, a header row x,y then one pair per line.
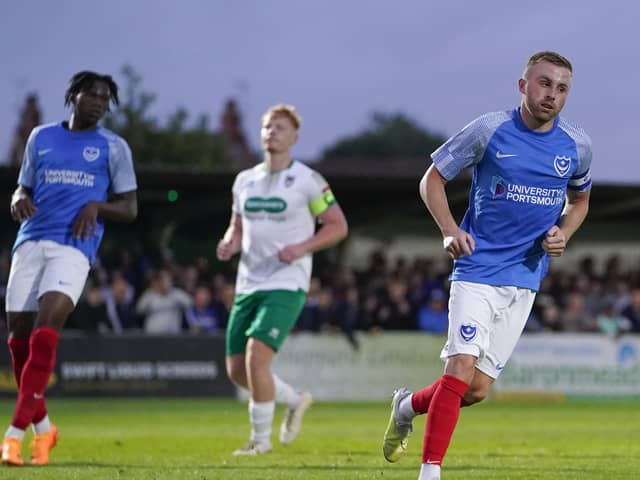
x,y
562,164
288,180
91,154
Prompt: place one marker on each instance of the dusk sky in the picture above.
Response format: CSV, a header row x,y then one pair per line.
x,y
442,63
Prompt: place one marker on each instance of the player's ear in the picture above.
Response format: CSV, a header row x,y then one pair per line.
x,y
522,83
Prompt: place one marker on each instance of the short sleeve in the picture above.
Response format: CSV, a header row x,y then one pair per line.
x,y
581,179
467,147
123,177
235,192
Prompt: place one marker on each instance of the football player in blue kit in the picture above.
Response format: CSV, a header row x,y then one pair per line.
x,y
75,175
529,194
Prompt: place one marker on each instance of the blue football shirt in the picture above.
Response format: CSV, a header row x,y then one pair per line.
x,y
67,169
520,179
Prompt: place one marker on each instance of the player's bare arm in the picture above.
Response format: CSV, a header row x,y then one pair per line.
x,y
574,214
456,241
333,229
231,242
122,207
22,206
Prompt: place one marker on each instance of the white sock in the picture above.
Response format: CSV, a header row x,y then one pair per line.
x,y
15,433
285,393
261,417
43,426
429,471
405,409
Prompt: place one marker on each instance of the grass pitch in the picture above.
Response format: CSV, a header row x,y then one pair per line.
x,y
161,439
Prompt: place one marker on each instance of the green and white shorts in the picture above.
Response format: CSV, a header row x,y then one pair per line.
x,y
267,315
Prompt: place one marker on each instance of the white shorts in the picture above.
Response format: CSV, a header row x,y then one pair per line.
x,y
486,321
44,266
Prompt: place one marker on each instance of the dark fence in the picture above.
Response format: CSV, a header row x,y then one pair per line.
x,y
125,366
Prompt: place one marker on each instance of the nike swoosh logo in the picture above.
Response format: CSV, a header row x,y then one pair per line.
x,y
37,396
505,155
44,151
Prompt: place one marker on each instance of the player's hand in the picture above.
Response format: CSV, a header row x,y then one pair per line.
x,y
554,242
291,253
224,250
86,223
458,244
22,207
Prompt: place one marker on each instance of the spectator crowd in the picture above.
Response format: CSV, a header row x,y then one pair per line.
x,y
130,294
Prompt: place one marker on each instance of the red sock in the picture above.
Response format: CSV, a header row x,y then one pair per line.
x,y
444,411
35,375
421,399
19,349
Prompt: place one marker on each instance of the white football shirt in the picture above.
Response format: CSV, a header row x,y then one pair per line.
x,y
277,209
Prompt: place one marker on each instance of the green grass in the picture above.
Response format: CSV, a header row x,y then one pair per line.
x,y
192,440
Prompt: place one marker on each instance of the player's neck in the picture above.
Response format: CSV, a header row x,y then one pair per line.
x,y
75,124
275,162
534,124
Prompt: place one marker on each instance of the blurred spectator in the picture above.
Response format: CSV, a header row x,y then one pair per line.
x,y
344,315
433,316
373,276
204,316
611,323
162,305
118,298
548,313
224,293
393,310
316,308
613,270
620,295
587,267
534,324
632,311
415,289
135,266
594,297
90,314
190,279
575,317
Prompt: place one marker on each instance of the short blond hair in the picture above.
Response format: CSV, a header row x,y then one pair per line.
x,y
286,110
548,56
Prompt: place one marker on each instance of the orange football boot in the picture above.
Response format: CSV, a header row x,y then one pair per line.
x,y
41,445
12,451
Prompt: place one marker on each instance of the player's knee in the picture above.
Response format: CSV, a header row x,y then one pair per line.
x,y
258,357
461,367
236,373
